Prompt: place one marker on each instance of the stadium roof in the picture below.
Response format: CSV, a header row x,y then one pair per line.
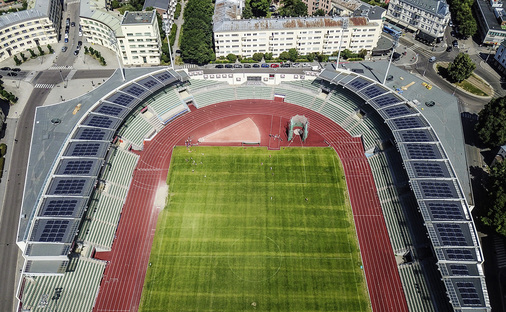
x,y
432,177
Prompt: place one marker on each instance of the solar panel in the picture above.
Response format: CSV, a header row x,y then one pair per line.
x,y
468,293
438,189
121,99
451,234
386,100
459,254
93,134
149,83
101,121
358,83
71,186
458,269
62,206
445,210
421,135
430,169
54,231
111,110
409,122
78,167
423,151
86,149
373,91
397,111
134,90
163,76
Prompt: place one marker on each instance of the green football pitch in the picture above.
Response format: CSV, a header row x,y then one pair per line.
x,y
253,229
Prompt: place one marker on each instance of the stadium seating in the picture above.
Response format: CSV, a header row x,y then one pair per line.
x,y
79,286
415,287
296,97
254,92
305,85
214,96
197,84
164,102
120,167
137,130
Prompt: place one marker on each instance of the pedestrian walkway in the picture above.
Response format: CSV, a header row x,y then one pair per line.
x,y
44,86
60,67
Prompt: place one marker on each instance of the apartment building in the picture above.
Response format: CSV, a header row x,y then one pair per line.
x,y
37,26
134,36
166,8
500,58
428,18
306,34
491,19
314,5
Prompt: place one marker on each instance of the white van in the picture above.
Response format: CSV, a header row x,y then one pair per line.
x,y
432,59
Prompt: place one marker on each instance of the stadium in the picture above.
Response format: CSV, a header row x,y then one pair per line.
x,y
98,166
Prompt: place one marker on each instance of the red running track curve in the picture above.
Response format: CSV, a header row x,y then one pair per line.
x,y
124,275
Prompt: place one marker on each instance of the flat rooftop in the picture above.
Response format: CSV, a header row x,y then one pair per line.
x,y
488,15
131,18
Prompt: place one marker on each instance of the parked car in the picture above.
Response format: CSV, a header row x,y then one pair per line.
x,y
73,24
450,24
274,65
237,66
64,49
178,51
79,43
229,66
264,65
76,52
17,69
66,40
219,66
80,34
247,66
449,49
432,59
12,74
256,65
285,65
455,44
295,64
5,68
67,22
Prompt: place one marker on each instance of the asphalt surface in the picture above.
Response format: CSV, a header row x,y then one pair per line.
x,y
13,199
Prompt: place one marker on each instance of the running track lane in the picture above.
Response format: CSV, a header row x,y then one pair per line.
x,y
124,275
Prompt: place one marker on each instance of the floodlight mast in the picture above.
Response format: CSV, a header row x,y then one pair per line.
x,y
168,26
396,42
345,26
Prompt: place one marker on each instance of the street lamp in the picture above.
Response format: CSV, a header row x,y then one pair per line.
x,y
62,80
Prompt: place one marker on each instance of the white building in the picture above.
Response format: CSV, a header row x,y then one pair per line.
x,y
428,18
37,26
166,8
134,36
306,34
500,58
491,19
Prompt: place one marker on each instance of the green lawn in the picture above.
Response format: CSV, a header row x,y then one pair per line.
x,y
237,235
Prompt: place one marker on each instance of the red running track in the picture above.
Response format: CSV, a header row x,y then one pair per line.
x,y
124,275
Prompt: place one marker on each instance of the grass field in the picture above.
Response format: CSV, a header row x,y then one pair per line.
x,y
253,229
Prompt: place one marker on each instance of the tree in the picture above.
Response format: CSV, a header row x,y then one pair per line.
x,y
293,8
310,57
50,48
293,54
247,13
322,57
491,123
86,51
496,213
23,56
232,57
468,26
319,12
258,56
259,8
284,56
346,54
268,56
41,52
32,53
362,53
17,60
461,68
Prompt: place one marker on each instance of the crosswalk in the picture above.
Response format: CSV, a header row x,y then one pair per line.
x,y
44,86
189,66
60,67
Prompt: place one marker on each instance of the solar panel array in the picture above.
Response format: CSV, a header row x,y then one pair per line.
x,y
64,200
358,84
436,187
